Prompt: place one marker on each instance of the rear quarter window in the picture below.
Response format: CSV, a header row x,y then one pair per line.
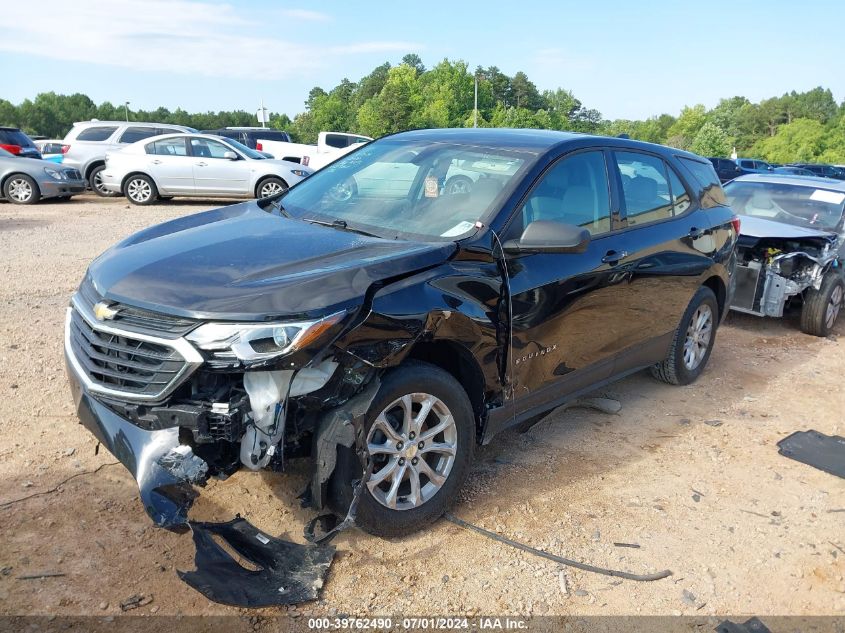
x,y
100,133
15,137
704,176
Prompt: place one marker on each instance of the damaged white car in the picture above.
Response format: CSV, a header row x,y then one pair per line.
x,y
791,247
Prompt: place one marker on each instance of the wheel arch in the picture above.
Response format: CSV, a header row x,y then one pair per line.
x,y
92,166
458,362
137,172
8,177
716,284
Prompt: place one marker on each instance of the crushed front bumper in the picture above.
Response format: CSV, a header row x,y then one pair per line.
x,y
165,470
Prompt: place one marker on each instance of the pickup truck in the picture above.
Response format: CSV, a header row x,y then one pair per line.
x,y
330,146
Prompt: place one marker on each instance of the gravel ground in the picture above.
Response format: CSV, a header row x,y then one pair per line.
x,y
691,475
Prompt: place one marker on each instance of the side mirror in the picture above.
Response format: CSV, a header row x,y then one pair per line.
x,y
546,236
230,156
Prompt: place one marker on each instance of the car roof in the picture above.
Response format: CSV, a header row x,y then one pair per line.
x,y
8,127
130,123
794,179
530,140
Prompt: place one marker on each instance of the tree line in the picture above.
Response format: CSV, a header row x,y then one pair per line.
x,y
797,126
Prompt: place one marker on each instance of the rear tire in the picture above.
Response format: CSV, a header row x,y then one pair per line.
x,y
96,183
821,307
21,189
692,342
140,189
445,455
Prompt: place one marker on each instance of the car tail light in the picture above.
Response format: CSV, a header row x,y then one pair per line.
x,y
259,147
305,160
65,149
736,223
12,149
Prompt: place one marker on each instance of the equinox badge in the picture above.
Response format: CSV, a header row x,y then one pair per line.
x,y
103,312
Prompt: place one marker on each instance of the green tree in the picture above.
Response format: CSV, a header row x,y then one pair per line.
x,y
711,140
686,127
802,140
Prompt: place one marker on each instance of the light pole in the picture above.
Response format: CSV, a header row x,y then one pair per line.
x,y
475,109
126,109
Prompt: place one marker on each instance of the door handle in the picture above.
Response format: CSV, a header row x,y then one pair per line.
x,y
201,164
696,233
611,257
156,162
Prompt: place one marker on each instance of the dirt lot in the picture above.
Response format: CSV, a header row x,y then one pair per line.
x,y
690,474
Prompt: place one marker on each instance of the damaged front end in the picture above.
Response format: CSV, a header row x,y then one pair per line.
x,y
772,270
179,401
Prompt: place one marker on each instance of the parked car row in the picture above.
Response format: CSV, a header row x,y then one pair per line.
x,y
727,169
396,320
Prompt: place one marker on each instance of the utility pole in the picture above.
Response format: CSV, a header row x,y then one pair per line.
x,y
475,109
126,109
262,114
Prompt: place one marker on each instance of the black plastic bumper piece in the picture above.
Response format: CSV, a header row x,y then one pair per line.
x,y
284,572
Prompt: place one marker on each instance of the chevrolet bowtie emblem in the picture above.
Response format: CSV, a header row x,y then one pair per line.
x,y
103,312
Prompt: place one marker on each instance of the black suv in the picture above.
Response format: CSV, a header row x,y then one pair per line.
x,y
16,142
825,171
384,324
251,136
726,169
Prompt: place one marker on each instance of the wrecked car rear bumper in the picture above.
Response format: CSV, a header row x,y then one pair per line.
x,y
164,469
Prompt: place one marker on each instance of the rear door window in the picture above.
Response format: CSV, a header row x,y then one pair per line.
x,y
167,147
645,187
133,134
97,133
206,148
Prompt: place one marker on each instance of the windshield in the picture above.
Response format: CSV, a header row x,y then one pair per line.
x,y
243,149
798,205
423,190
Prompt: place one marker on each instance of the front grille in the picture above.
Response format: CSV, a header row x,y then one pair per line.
x,y
121,364
138,319
73,174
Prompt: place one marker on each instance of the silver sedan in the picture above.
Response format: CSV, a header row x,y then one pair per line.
x,y
196,165
28,180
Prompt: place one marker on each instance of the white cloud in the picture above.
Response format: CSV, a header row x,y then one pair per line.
x,y
305,14
174,37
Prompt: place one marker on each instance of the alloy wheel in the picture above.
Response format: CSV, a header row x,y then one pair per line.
x,y
699,336
98,184
270,189
20,190
833,306
412,443
139,190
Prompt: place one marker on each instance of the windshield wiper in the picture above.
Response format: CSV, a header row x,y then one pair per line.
x,y
342,225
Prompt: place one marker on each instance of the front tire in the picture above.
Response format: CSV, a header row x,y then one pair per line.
x,y
140,189
420,432
270,187
21,189
95,181
692,342
821,307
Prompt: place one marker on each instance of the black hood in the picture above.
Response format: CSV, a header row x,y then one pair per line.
x,y
242,263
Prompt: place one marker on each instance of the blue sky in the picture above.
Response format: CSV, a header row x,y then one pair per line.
x,y
628,59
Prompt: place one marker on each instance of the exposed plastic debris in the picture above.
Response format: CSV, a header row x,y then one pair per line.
x,y
285,572
825,452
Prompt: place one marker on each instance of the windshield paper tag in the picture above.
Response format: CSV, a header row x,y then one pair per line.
x,y
458,229
831,197
431,187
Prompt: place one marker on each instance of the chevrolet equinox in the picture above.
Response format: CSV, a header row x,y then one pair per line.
x,y
383,321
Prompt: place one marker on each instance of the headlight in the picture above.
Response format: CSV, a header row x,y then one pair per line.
x,y
299,172
259,341
55,175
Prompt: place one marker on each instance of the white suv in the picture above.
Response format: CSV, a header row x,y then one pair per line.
x,y
86,144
